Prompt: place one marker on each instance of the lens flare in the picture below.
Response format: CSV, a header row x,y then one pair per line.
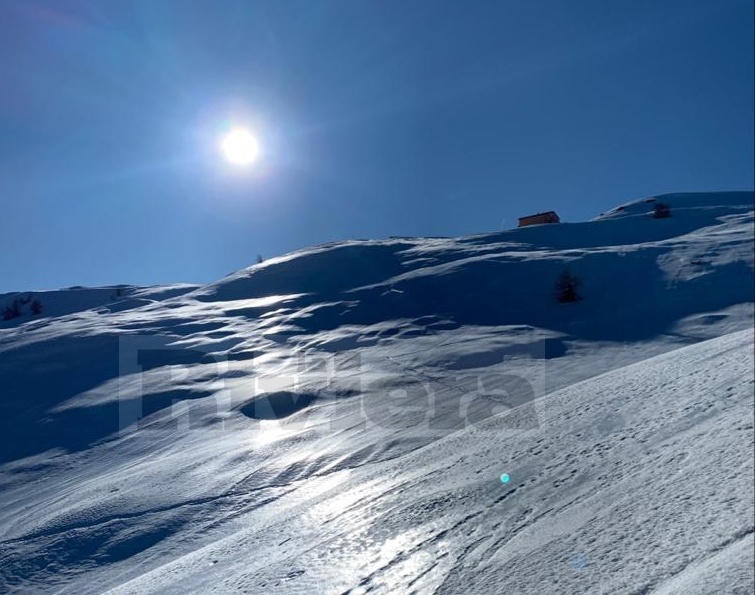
x,y
505,478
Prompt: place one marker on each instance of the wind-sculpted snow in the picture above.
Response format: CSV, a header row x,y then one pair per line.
x,y
338,420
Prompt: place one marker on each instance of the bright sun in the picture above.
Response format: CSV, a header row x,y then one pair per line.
x,y
240,147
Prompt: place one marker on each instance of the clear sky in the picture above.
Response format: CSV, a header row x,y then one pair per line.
x,y
374,118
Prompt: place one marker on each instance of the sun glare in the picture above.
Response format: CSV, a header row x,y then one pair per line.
x,y
240,147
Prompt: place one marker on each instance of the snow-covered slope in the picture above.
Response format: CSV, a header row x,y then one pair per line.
x,y
72,300
341,419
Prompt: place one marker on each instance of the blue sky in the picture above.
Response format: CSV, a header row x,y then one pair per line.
x,y
375,118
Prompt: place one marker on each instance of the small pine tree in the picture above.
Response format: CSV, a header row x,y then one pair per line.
x,y
36,307
566,288
12,311
260,260
661,211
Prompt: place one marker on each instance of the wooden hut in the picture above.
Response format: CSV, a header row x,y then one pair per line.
x,y
537,219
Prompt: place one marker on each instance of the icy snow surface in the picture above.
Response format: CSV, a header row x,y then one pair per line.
x,y
401,415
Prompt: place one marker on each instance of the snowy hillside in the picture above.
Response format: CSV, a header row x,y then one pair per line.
x,y
400,415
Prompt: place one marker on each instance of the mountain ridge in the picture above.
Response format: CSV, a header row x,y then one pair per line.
x,y
339,419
